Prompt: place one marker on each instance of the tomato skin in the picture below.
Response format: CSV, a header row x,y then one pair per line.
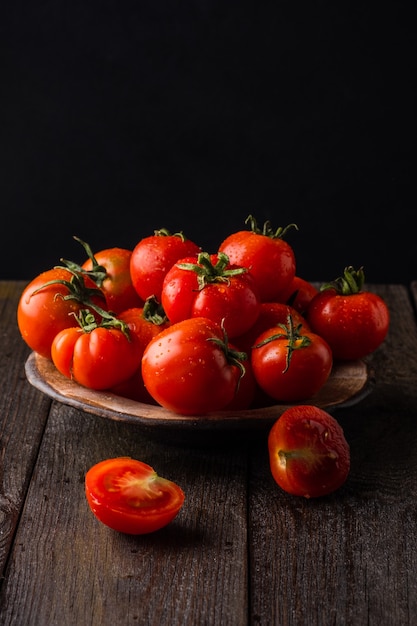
x,y
299,294
308,371
270,315
354,325
187,372
271,262
41,315
145,330
130,497
99,359
117,287
153,256
246,390
308,453
234,303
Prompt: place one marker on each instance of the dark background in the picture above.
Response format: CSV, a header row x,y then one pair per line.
x,y
119,118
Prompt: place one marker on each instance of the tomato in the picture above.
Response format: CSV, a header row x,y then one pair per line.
x,y
97,357
51,302
269,258
145,322
209,286
353,321
153,256
130,497
299,294
291,364
246,391
189,369
270,315
308,452
110,270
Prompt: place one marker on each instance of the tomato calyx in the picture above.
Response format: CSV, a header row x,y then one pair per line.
x,y
164,232
153,311
296,340
77,289
234,357
267,229
350,283
207,272
88,322
98,273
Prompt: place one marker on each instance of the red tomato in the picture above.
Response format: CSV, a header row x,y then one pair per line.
x,y
291,366
128,496
110,270
270,315
99,358
145,322
189,369
153,256
308,453
246,391
353,321
52,302
299,294
270,259
208,286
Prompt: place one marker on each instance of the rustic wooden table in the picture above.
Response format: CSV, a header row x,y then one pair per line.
x,y
241,551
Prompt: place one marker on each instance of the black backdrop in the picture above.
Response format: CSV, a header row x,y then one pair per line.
x,y
118,118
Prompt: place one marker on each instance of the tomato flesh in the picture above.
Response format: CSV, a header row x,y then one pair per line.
x,y
128,496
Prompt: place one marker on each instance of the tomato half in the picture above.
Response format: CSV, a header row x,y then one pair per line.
x,y
130,497
308,452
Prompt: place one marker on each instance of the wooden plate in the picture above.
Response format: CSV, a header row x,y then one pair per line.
x,y
348,384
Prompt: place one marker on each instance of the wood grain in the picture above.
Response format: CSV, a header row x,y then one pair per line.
x,y
241,551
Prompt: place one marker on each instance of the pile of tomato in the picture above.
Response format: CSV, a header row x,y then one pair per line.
x,y
168,323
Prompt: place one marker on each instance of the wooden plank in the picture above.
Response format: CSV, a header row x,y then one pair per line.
x,y
23,413
349,558
192,572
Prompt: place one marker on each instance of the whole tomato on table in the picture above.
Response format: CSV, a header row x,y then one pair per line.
x,y
208,285
190,369
308,452
352,320
291,363
269,258
130,497
153,256
51,302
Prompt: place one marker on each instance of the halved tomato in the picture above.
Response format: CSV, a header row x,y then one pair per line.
x,y
129,496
